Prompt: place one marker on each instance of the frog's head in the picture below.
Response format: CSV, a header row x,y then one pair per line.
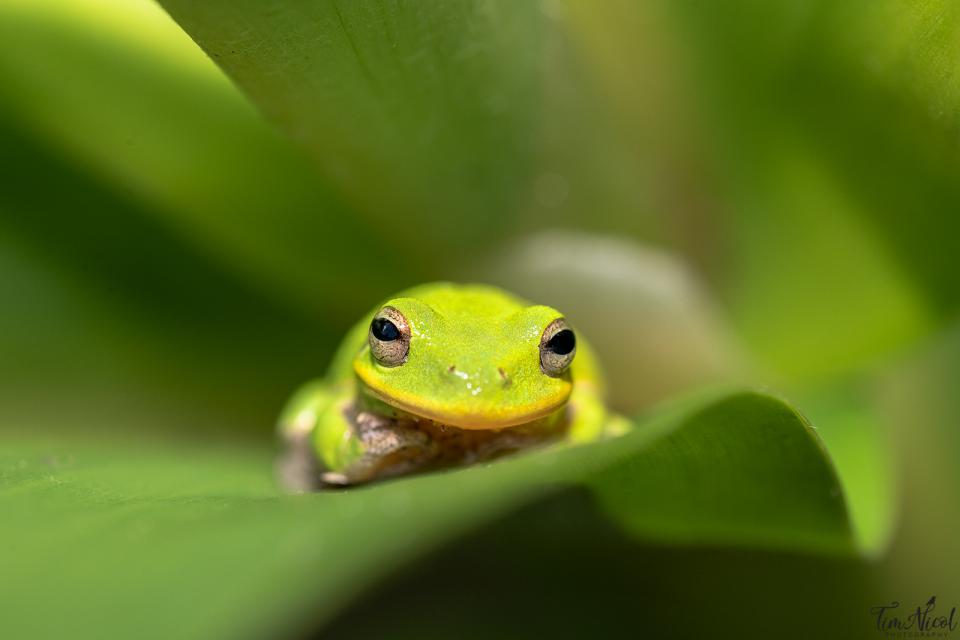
x,y
468,356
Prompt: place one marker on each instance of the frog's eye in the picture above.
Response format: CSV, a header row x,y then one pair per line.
x,y
389,337
558,345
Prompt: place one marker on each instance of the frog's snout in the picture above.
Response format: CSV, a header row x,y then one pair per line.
x,y
502,376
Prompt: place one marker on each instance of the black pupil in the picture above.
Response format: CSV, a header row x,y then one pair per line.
x,y
562,343
384,330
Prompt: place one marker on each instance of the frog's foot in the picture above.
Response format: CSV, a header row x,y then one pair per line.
x,y
391,448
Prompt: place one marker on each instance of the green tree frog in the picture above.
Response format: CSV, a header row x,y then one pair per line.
x,y
443,375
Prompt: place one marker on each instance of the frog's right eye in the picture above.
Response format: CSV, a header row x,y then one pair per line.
x,y
389,337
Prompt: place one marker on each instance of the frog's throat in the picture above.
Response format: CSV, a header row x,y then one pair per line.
x,y
468,420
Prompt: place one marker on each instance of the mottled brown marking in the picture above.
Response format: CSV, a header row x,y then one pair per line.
x,y
405,443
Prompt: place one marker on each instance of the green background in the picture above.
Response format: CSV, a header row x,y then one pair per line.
x,y
750,208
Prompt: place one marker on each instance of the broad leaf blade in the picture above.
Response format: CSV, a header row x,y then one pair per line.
x,y
717,478
835,150
124,95
423,114
192,536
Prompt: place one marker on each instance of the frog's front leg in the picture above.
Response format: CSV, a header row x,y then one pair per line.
x,y
298,467
590,418
328,441
374,446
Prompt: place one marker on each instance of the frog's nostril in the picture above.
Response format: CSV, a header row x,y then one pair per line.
x,y
452,369
504,377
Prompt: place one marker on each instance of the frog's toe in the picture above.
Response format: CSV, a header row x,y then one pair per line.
x,y
334,478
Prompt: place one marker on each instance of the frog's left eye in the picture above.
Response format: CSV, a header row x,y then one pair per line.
x,y
389,337
558,345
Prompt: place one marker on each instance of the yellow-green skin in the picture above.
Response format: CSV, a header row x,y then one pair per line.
x,y
473,364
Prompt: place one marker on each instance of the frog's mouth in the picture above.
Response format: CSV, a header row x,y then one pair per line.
x,y
474,418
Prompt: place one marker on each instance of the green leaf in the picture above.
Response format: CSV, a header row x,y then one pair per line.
x,y
720,477
121,93
422,114
114,307
860,437
110,535
111,305
833,132
813,146
919,398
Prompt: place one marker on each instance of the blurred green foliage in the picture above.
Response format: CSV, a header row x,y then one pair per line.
x,y
184,237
